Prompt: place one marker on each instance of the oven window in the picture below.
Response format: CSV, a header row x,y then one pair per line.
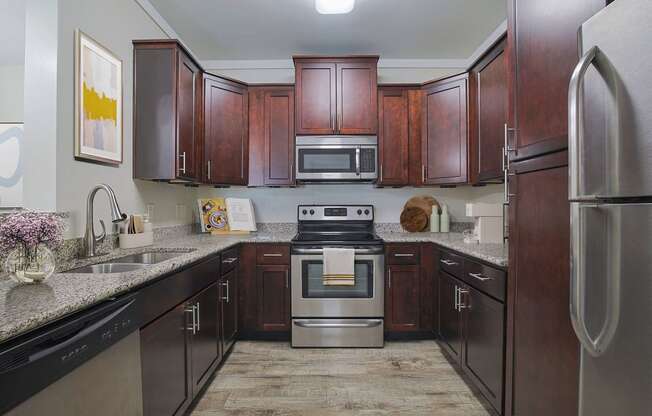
x,y
312,284
326,160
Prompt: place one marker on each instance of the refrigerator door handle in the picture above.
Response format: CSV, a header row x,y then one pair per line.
x,y
597,346
575,124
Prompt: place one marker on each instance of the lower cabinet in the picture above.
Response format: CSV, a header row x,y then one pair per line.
x,y
273,297
402,289
472,325
229,308
178,352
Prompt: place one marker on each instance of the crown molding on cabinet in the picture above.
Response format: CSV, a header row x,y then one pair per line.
x,y
494,37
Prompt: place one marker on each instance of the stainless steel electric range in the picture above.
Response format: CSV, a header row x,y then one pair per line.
x,y
337,316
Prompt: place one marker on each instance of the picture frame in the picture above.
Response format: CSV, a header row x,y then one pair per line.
x,y
98,102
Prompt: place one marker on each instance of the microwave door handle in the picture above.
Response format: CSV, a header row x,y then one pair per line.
x,y
357,161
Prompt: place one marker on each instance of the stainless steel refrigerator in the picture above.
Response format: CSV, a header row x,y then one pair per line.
x,y
610,165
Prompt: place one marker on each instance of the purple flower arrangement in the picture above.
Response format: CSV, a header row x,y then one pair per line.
x,y
28,229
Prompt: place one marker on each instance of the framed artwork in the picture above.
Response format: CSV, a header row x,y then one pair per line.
x,y
98,102
11,167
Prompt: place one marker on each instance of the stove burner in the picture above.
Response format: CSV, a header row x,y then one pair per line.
x,y
341,225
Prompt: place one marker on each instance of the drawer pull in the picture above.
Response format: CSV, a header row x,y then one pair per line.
x,y
448,262
230,260
480,277
403,255
272,255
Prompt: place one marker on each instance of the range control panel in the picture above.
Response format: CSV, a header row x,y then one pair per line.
x,y
335,213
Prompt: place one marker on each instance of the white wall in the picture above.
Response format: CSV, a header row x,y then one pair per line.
x,y
11,93
114,25
280,204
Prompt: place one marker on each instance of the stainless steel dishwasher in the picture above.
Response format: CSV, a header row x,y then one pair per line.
x,y
87,364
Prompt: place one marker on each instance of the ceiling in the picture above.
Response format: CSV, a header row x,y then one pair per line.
x,y
277,29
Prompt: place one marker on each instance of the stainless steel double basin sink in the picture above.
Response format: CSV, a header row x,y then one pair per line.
x,y
128,263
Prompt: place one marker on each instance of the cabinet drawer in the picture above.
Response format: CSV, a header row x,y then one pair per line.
x,y
452,263
402,253
485,278
230,259
272,254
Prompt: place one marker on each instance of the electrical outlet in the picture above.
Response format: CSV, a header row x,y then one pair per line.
x,y
150,211
181,211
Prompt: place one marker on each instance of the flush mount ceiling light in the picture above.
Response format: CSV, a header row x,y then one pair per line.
x,y
334,6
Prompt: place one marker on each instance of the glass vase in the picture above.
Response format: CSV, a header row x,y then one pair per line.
x,y
30,265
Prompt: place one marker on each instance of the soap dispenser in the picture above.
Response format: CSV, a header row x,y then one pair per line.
x,y
445,220
434,219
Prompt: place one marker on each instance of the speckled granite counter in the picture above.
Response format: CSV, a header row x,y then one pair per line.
x,y
24,307
492,253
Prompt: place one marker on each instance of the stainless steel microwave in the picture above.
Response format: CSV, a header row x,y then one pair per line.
x,y
336,158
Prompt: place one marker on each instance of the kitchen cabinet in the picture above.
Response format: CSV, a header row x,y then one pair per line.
x,y
393,136
228,303
204,339
542,38
166,114
444,144
226,132
271,136
336,95
472,322
489,96
402,291
541,342
264,292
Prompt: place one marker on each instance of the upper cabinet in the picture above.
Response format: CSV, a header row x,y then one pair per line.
x,y
444,143
544,50
226,132
393,136
336,95
271,136
166,112
488,82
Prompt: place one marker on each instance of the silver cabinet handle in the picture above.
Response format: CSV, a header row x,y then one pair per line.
x,y
230,260
287,278
381,173
596,347
367,324
457,302
272,255
389,278
193,327
208,170
357,161
182,169
574,122
198,318
448,262
404,255
423,173
226,285
461,305
480,277
228,294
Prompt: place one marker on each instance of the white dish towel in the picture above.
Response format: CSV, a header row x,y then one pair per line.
x,y
339,267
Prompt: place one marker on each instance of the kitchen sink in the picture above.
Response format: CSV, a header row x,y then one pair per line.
x,y
104,268
151,257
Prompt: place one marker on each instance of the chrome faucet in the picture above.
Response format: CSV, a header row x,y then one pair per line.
x,y
90,239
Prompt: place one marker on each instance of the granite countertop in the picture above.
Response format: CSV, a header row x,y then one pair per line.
x,y
489,252
25,307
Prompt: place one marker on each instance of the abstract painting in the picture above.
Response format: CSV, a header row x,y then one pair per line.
x,y
11,168
98,102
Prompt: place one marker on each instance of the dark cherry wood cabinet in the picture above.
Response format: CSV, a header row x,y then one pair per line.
x,y
336,95
273,297
444,144
228,302
271,136
544,373
543,51
166,112
226,132
393,136
401,297
204,340
450,321
488,108
165,368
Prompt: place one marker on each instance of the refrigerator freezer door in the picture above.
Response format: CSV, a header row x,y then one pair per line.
x,y
612,251
610,122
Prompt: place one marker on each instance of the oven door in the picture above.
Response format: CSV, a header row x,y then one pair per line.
x,y
311,299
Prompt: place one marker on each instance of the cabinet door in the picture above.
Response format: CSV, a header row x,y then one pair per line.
x,y
316,97
279,137
228,303
226,143
165,370
273,297
402,298
393,136
205,346
450,325
484,341
543,46
357,105
490,77
444,144
545,349
187,117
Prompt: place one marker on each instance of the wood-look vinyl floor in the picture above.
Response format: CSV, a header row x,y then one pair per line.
x,y
270,378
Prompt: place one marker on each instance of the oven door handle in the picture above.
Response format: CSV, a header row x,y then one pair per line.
x,y
371,323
